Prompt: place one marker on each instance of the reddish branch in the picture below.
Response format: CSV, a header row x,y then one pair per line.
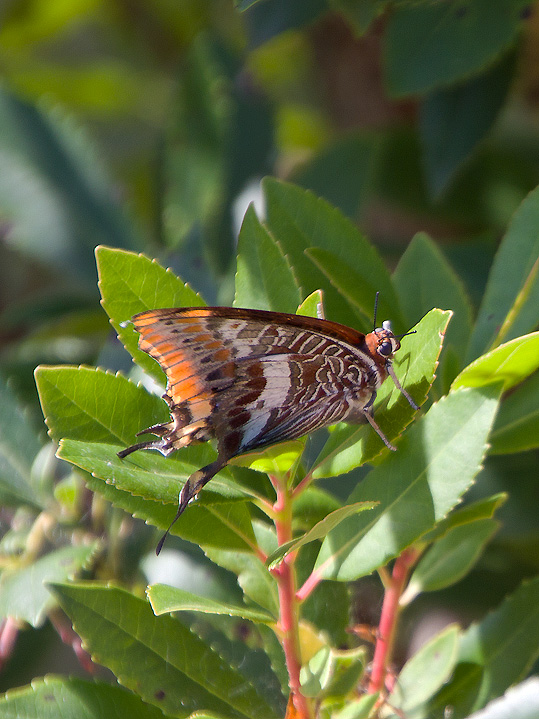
x,y
388,618
288,606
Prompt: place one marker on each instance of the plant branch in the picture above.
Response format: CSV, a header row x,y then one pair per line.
x,y
389,617
288,605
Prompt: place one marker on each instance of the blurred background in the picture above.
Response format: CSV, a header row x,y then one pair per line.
x,y
148,124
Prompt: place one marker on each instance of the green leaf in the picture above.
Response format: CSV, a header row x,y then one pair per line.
x,y
360,709
131,283
212,521
453,120
416,486
426,671
52,697
264,279
333,672
424,279
85,403
253,576
298,220
350,446
277,459
358,289
482,509
517,424
341,172
19,446
450,558
432,45
158,657
494,654
166,599
311,305
510,363
319,531
23,591
513,283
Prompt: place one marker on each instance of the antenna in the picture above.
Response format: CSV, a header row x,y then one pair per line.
x,y
375,310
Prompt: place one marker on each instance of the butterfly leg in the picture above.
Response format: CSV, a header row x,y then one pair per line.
x,y
370,419
367,411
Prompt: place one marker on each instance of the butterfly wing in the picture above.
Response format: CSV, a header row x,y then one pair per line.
x,y
252,378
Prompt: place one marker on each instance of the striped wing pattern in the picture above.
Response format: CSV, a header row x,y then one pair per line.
x,y
250,378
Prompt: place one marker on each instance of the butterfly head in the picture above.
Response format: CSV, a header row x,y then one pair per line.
x,y
382,343
386,342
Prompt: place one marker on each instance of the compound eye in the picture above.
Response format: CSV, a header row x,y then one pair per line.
x,y
386,348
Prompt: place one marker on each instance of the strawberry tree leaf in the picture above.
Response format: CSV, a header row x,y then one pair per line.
x,y
517,423
165,599
299,220
416,486
513,283
23,591
264,278
52,697
319,531
509,363
450,558
493,654
158,657
426,671
132,283
434,45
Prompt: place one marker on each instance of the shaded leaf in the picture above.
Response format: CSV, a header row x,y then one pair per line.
x,y
158,657
432,45
253,576
341,172
453,120
425,279
23,591
517,424
450,558
19,446
426,671
482,509
514,268
264,279
298,220
493,654
53,192
416,487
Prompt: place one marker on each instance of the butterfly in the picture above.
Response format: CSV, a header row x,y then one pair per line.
x,y
252,378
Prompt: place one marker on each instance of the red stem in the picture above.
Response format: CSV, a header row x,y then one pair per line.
x,y
288,606
389,617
